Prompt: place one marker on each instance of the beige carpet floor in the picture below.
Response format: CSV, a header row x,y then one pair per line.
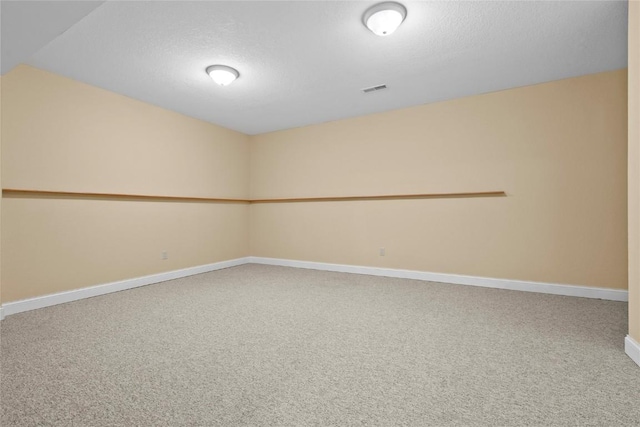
x,y
272,346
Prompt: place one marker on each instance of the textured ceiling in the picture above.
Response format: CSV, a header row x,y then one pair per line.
x,y
304,62
29,25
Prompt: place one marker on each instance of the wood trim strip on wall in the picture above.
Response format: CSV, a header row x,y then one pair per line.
x,y
16,193
385,197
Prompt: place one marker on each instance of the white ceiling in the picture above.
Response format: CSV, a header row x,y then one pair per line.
x,y
29,25
304,62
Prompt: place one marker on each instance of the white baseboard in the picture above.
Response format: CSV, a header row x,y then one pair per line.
x,y
107,288
77,294
632,348
516,285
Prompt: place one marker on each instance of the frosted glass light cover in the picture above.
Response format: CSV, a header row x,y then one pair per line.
x,y
384,18
222,75
384,22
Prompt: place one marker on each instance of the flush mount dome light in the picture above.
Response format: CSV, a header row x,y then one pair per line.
x,y
222,74
384,18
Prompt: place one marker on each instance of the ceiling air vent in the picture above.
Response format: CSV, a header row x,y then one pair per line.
x,y
374,88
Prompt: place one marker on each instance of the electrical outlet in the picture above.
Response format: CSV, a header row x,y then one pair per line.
x,y
165,255
383,252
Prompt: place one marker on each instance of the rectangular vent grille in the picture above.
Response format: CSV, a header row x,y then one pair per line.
x,y
374,88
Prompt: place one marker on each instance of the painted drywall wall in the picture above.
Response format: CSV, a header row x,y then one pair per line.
x,y
62,135
558,150
634,170
0,187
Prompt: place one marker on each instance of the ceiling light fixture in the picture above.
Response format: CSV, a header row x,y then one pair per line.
x,y
222,74
384,18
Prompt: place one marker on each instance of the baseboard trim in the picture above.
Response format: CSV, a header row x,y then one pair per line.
x,y
632,348
107,288
487,282
14,307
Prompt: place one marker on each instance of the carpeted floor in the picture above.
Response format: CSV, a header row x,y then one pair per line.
x,y
273,346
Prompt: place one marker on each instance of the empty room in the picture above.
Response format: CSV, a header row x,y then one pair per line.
x,y
320,213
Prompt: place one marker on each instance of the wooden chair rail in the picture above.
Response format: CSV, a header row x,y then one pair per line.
x,y
385,197
17,193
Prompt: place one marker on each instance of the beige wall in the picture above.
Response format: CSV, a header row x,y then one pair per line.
x,y
558,149
65,135
0,187
62,135
634,170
